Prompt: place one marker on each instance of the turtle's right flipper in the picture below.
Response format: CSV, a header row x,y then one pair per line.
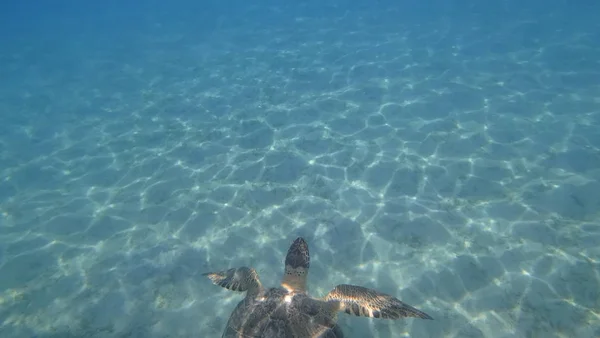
x,y
360,301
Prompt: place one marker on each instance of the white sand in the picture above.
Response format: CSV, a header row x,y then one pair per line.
x,y
448,165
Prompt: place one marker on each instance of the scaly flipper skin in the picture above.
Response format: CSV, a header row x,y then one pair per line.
x,y
239,279
363,302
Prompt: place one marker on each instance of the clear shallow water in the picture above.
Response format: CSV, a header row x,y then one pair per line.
x,y
448,155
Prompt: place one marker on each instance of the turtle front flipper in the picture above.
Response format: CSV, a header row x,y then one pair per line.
x,y
297,262
360,301
238,279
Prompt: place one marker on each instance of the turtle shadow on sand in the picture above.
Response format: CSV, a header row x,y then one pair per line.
x,y
288,310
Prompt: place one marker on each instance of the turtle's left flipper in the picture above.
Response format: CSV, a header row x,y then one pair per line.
x,y
238,279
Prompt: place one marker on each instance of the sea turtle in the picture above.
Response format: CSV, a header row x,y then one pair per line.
x,y
288,311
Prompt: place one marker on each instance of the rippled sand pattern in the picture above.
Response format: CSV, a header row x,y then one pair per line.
x,y
456,172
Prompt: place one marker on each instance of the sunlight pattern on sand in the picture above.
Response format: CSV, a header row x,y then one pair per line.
x,y
456,172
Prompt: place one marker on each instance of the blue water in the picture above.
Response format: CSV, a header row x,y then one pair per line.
x,y
445,152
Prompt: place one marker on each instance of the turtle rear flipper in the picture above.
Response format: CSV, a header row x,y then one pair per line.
x,y
237,279
364,302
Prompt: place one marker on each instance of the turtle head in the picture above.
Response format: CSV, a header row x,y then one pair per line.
x,y
297,255
297,262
